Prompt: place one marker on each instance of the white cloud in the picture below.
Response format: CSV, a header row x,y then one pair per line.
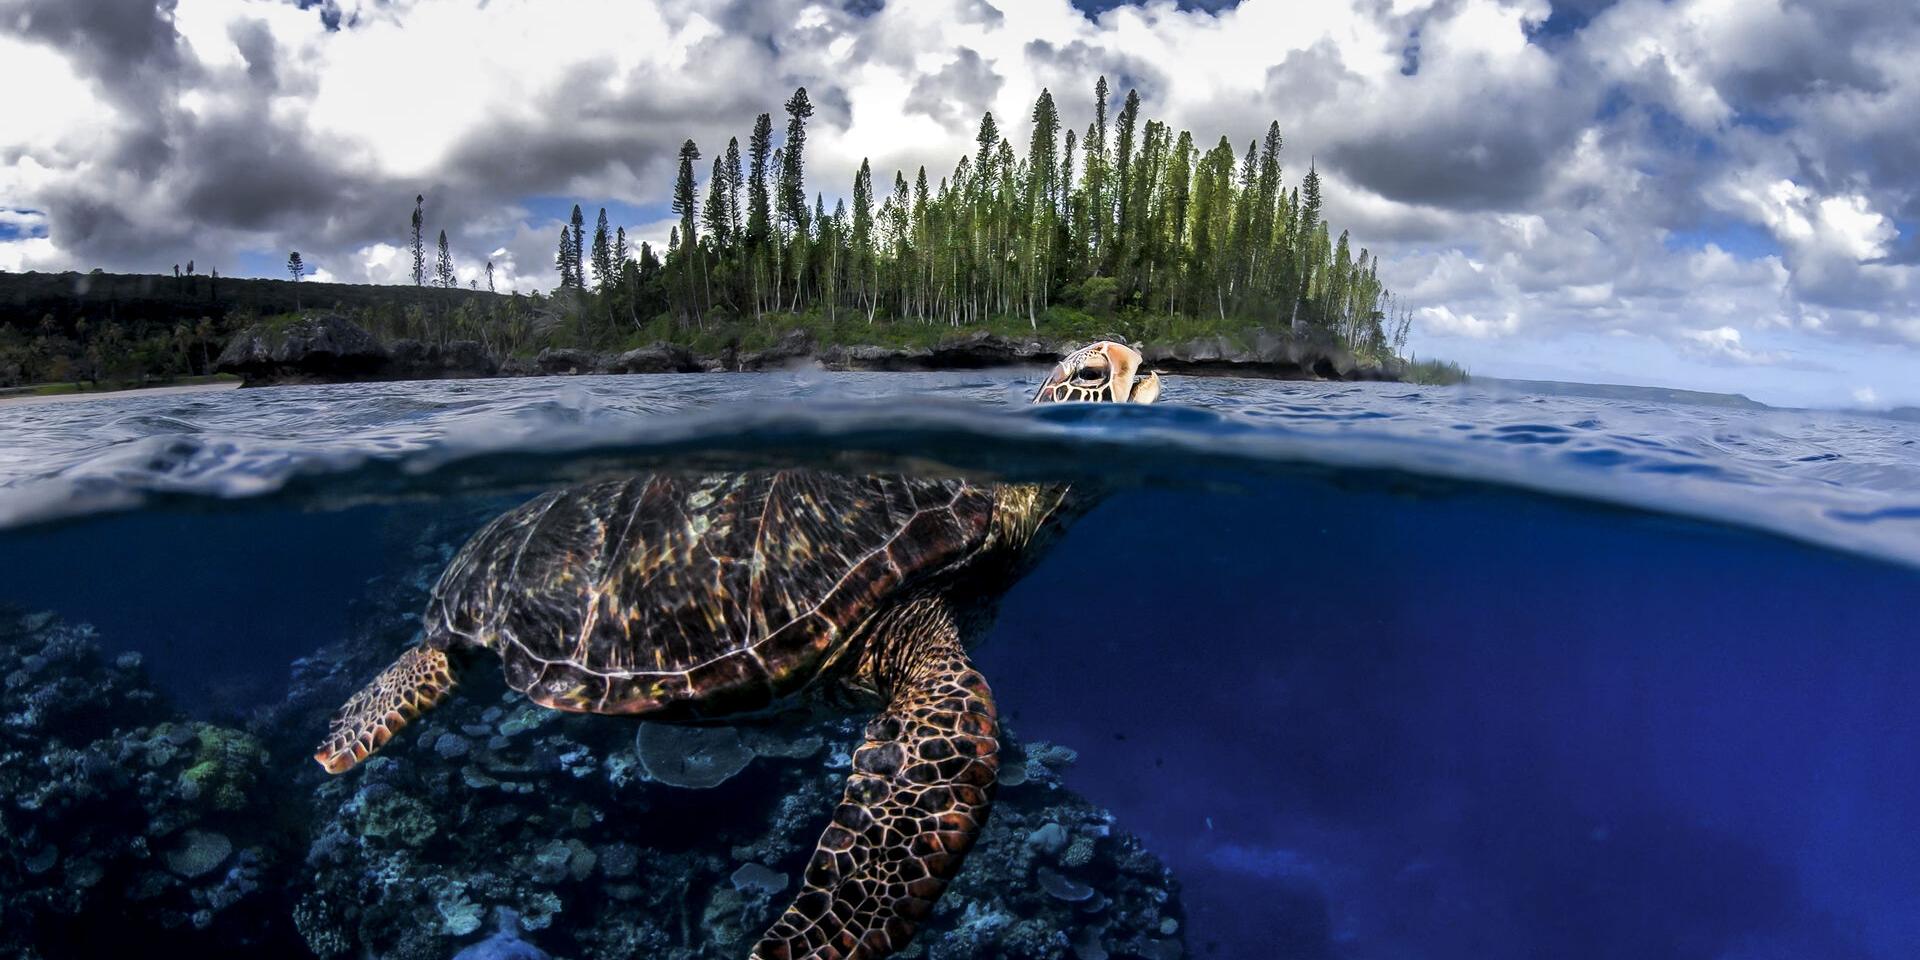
x,y
1854,229
1442,321
53,120
30,253
1724,344
1843,225
384,263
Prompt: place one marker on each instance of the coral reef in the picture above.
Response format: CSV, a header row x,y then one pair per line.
x,y
565,824
491,829
119,828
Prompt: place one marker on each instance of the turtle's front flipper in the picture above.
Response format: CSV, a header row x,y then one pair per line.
x,y
371,717
914,804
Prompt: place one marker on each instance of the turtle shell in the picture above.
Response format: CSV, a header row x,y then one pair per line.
x,y
696,596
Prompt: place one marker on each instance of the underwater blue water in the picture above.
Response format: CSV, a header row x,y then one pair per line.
x,y
1378,671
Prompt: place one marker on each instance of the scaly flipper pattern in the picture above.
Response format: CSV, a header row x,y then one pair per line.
x,y
914,803
416,681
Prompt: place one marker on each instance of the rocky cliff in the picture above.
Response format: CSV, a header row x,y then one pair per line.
x,y
331,349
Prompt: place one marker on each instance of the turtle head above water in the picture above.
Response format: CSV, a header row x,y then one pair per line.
x,y
1103,371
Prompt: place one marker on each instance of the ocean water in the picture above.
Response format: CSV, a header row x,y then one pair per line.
x,y
1369,671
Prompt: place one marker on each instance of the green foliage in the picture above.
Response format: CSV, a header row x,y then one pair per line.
x,y
1154,226
419,241
1435,372
443,266
101,330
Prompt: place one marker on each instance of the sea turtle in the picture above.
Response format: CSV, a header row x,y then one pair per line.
x,y
701,598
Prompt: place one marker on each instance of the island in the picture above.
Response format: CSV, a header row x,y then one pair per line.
x,y
1204,257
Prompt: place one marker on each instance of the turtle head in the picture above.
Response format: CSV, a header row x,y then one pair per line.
x,y
1104,371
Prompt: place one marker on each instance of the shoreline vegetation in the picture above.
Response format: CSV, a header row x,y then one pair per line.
x,y
1203,257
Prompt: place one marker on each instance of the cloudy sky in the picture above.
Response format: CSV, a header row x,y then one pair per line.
x,y
1717,194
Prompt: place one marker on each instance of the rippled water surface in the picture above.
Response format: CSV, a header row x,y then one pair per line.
x,y
1846,481
1375,670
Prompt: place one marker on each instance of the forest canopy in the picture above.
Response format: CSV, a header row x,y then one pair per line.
x,y
1128,218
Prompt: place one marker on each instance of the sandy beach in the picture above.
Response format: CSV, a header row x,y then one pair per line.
x,y
103,394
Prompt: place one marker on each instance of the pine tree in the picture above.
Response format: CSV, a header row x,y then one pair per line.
x,y
1179,193
793,201
578,225
758,212
987,138
922,249
684,202
734,182
718,219
1066,180
1122,161
1039,214
419,242
297,268
1099,207
861,240
1307,235
1310,193
443,267
490,277
1266,209
563,260
687,247
602,254
759,216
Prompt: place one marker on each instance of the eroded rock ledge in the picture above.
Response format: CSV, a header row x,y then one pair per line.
x,y
328,348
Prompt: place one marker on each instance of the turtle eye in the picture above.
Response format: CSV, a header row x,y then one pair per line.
x,y
1089,375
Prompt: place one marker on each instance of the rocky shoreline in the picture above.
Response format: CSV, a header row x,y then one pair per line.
x,y
332,349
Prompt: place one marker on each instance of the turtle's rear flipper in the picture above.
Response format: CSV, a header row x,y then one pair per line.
x,y
416,681
914,803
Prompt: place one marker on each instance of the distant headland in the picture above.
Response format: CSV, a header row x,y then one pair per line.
x,y
145,330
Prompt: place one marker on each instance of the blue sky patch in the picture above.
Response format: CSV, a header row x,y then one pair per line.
x,y
256,263
1765,123
547,209
17,223
1094,8
1567,18
1744,240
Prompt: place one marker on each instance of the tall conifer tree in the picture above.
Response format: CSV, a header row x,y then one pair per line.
x,y
734,182
793,200
578,224
1122,161
419,241
602,253
443,265
684,204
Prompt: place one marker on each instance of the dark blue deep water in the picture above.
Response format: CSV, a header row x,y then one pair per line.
x,y
1374,671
